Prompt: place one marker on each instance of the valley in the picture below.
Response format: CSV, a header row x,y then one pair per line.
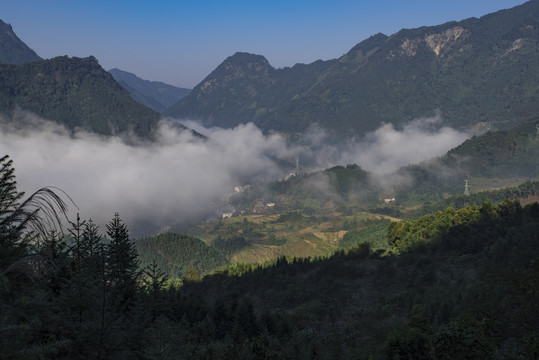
x,y
378,205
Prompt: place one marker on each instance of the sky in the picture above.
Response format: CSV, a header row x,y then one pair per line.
x,y
180,42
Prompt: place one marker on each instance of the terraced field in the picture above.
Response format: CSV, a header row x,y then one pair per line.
x,y
270,236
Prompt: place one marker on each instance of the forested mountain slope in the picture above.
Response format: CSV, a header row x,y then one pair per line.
x,y
495,157
178,255
75,92
475,71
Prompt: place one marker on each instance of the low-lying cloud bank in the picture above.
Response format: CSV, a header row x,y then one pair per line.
x,y
179,175
170,179
387,149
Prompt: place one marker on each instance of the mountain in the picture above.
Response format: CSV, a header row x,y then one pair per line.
x,y
12,49
476,72
492,160
75,92
153,94
509,153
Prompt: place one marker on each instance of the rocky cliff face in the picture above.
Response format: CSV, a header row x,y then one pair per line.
x,y
442,42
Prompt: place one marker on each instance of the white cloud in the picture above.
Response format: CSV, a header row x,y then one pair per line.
x,y
179,175
387,149
172,179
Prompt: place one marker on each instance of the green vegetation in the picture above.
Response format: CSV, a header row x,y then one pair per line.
x,y
526,192
374,235
311,193
76,93
476,72
174,254
497,154
460,285
259,239
492,160
319,213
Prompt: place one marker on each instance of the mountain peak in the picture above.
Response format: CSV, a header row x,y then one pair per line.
x,y
239,67
245,57
376,40
12,49
362,51
246,64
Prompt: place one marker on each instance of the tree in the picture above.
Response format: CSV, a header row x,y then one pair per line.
x,y
25,305
123,261
154,282
21,224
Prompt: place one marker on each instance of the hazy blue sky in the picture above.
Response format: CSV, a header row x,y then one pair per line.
x,y
181,42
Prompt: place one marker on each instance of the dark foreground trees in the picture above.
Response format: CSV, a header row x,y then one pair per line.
x,y
62,295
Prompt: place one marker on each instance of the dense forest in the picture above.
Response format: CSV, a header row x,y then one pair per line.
x,y
178,255
452,284
74,92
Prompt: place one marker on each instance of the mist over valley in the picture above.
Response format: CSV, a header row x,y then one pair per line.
x,y
177,176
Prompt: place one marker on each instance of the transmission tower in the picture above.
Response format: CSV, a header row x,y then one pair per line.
x,y
466,188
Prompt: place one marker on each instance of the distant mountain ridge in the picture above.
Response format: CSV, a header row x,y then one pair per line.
x,y
475,71
153,94
12,49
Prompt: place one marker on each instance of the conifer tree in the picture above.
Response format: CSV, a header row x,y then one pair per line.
x,y
90,247
26,305
82,295
122,259
154,282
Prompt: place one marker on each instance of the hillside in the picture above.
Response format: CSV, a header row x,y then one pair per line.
x,y
492,160
302,226
476,72
12,49
178,255
75,92
461,286
513,152
153,94
316,214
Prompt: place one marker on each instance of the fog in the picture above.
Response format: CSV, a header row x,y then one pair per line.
x,y
387,149
176,177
